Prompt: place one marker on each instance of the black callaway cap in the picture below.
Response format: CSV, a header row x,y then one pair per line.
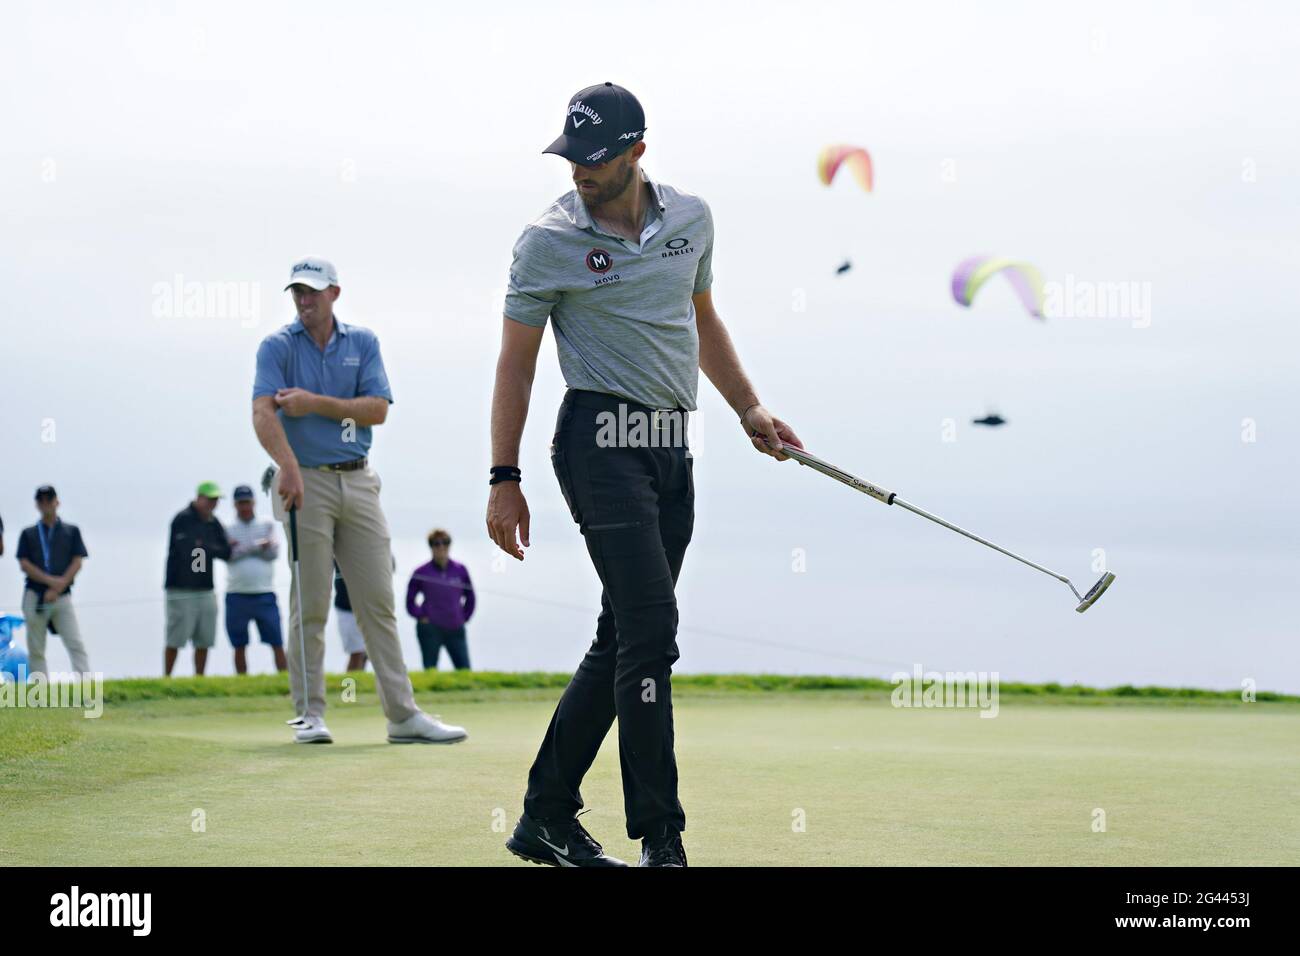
x,y
602,121
45,491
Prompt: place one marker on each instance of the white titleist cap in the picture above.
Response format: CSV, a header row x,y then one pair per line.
x,y
314,272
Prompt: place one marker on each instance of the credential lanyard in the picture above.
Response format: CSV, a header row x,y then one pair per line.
x,y
44,534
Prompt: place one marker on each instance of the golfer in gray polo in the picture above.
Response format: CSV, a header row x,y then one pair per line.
x,y
623,268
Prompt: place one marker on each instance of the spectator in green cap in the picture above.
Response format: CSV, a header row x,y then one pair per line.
x,y
197,539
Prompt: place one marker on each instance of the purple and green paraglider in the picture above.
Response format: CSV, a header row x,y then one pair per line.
x,y
971,274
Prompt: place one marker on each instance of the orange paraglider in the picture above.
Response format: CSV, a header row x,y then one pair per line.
x,y
857,159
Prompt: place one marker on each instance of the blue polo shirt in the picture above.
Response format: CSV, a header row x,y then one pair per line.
x,y
350,366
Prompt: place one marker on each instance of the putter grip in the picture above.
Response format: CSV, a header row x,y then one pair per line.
x,y
293,530
826,468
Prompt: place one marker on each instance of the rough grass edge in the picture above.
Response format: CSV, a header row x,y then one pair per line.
x,y
263,685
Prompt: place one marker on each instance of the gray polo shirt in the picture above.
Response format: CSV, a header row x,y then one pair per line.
x,y
623,317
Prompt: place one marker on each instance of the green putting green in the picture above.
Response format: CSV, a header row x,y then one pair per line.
x,y
791,777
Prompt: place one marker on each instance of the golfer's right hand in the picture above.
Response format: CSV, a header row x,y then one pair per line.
x,y
291,488
507,510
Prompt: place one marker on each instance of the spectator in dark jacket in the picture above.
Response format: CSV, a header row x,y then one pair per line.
x,y
197,539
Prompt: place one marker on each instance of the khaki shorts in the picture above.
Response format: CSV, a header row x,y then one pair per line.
x,y
191,618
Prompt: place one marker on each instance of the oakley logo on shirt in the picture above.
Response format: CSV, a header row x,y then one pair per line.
x,y
677,247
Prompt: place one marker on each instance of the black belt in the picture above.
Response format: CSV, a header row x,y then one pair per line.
x,y
356,464
604,402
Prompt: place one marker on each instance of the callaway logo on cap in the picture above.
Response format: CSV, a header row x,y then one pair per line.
x,y
317,273
601,122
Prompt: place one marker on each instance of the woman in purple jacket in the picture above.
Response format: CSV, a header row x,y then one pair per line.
x,y
440,597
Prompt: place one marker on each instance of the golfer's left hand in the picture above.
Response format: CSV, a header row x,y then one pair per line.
x,y
767,432
295,402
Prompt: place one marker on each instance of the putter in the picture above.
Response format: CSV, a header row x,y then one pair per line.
x,y
888,497
268,476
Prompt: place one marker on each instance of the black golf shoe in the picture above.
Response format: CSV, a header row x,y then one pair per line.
x,y
565,843
663,850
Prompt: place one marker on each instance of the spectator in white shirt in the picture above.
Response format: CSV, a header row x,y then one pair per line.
x,y
250,588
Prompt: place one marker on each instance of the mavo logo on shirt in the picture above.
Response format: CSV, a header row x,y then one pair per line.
x,y
598,260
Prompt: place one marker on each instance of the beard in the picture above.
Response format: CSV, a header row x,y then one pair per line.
x,y
613,189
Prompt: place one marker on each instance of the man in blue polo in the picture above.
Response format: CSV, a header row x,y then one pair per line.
x,y
320,390
623,268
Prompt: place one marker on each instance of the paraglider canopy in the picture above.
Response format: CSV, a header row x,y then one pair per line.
x,y
971,274
857,159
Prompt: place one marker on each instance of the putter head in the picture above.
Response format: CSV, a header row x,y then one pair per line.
x,y
1096,591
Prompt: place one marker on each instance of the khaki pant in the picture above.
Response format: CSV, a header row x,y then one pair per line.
x,y
341,520
37,616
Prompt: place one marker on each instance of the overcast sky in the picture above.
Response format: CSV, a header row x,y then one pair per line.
x,y
151,145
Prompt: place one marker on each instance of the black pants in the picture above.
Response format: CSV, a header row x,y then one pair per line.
x,y
636,510
433,639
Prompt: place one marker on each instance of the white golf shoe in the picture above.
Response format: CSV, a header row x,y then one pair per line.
x,y
313,732
421,728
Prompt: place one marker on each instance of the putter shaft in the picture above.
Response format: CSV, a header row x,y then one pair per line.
x,y
890,498
297,587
